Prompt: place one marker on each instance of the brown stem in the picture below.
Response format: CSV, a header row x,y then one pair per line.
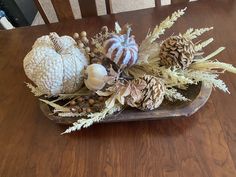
x,y
56,41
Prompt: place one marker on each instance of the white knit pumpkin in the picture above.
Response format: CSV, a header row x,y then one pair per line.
x,y
55,64
95,77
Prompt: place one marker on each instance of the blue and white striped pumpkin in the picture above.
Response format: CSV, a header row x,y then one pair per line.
x,y
121,49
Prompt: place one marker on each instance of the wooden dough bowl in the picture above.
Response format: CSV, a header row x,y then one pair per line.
x,y
198,94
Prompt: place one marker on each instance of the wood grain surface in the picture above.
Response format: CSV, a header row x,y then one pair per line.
x,y
202,145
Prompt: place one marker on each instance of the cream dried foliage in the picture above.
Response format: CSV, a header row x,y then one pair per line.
x,y
57,107
213,65
34,90
93,118
199,47
148,47
201,70
70,114
99,38
194,33
172,94
167,23
116,92
209,79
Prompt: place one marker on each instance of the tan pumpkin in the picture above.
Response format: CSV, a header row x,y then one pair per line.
x,y
122,49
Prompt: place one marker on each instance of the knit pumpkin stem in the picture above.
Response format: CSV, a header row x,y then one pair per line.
x,y
56,41
127,35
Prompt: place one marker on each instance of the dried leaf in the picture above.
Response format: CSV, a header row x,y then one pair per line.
x,y
109,80
56,106
192,34
200,46
110,102
213,66
122,93
101,93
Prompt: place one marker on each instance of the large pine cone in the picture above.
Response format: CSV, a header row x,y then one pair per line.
x,y
152,93
177,51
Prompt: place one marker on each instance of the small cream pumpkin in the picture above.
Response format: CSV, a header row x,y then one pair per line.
x,y
95,77
55,64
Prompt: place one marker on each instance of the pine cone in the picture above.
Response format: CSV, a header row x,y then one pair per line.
x,y
177,51
152,94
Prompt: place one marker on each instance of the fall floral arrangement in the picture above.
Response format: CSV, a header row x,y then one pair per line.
x,y
93,78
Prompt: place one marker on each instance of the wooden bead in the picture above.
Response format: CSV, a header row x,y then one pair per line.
x,y
88,110
95,50
73,102
83,34
92,54
85,39
84,110
76,35
93,42
80,110
80,99
100,98
91,101
87,49
73,110
81,45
